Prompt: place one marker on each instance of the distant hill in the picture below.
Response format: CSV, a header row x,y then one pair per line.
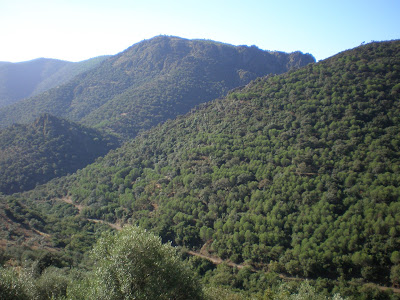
x,y
152,81
47,148
19,80
26,79
67,72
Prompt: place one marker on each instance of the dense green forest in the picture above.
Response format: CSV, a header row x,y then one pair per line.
x,y
152,81
47,148
298,171
292,177
26,79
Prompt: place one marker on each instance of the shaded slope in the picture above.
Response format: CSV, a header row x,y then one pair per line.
x,y
298,172
49,147
152,81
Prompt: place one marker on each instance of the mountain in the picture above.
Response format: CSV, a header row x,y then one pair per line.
x,y
26,79
298,171
68,72
19,80
296,174
49,147
152,81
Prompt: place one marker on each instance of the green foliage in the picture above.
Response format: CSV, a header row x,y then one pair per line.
x,y
26,284
284,291
50,147
11,287
134,264
304,292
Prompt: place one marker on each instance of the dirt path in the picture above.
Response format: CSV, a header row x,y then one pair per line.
x,y
46,235
69,201
217,261
80,207
384,288
116,226
214,259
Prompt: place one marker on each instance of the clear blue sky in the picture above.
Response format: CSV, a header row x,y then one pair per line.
x,y
76,30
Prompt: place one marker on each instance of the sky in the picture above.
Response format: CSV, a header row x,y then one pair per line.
x,y
76,30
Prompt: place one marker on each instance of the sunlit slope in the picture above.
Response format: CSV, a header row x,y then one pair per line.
x,y
298,171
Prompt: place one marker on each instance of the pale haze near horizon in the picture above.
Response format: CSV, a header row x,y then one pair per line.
x,y
76,30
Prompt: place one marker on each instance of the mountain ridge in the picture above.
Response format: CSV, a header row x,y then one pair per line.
x,y
26,79
163,77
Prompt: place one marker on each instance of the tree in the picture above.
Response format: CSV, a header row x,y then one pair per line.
x,y
11,287
134,264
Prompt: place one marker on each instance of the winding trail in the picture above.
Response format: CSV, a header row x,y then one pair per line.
x,y
80,207
217,260
69,201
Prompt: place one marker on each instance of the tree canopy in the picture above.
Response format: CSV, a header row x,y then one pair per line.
x,y
47,148
134,264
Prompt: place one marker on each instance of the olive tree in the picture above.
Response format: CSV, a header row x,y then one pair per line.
x,y
135,264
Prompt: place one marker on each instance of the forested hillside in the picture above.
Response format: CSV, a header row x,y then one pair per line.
x,y
49,147
298,171
152,81
26,79
295,174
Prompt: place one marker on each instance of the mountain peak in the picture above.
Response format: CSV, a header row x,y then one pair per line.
x,y
152,81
